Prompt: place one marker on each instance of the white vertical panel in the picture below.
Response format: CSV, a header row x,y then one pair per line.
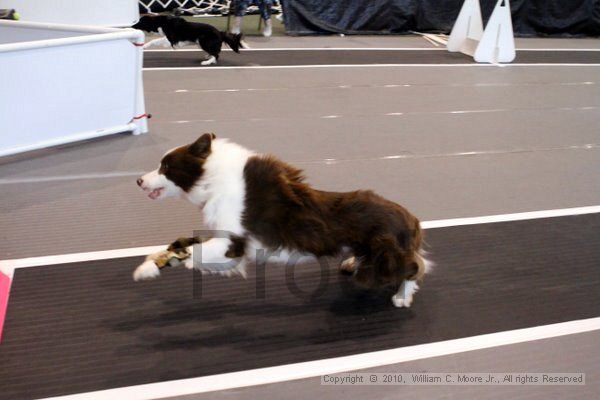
x,y
61,90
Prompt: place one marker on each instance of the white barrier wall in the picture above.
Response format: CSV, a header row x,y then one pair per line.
x,y
118,13
72,83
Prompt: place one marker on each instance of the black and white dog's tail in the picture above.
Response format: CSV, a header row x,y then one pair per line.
x,y
233,40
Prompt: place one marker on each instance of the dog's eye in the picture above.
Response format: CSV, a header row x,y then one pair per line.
x,y
165,167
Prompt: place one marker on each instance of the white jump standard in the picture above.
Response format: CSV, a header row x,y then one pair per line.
x,y
495,44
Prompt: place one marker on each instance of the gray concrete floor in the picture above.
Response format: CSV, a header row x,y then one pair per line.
x,y
532,134
573,353
531,124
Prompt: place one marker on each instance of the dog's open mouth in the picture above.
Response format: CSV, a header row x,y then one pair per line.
x,y
154,194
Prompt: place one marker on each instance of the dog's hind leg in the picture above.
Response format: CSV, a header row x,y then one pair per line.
x,y
223,256
348,265
404,296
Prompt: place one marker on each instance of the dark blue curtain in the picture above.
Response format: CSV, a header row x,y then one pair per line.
x,y
530,17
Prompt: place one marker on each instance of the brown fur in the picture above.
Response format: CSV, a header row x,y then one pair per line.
x,y
184,165
282,211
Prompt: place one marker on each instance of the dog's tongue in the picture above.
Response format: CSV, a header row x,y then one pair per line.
x,y
155,193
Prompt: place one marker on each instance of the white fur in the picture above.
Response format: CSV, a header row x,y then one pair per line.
x,y
155,180
222,189
220,193
429,265
404,296
209,257
147,270
209,61
256,251
163,41
209,254
160,42
231,268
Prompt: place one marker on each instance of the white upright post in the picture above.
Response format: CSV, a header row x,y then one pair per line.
x,y
494,44
140,120
497,43
467,30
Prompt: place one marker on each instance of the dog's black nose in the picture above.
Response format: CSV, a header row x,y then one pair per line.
x,y
140,181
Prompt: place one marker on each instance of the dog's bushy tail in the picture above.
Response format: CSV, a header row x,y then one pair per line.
x,y
233,40
418,256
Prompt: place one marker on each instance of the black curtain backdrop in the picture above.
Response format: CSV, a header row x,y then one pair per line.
x,y
530,17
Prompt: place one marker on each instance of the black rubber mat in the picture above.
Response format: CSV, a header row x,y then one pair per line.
x,y
155,59
88,326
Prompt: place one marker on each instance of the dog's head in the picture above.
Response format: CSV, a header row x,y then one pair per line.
x,y
151,23
179,170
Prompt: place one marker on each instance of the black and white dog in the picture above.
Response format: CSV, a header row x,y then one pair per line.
x,y
264,204
177,31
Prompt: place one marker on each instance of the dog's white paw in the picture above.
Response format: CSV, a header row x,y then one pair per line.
x,y
211,60
400,301
147,270
189,262
404,297
349,264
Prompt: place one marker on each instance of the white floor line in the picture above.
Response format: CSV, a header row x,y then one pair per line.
x,y
289,372
312,49
413,156
510,217
360,49
8,266
213,68
379,86
560,49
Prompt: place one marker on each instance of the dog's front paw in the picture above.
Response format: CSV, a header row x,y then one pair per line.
x,y
189,262
147,270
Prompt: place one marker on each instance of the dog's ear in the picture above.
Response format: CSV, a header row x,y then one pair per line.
x,y
201,147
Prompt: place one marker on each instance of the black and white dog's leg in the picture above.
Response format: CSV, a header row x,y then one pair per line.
x,y
159,42
210,60
223,256
410,285
146,270
162,41
172,256
213,50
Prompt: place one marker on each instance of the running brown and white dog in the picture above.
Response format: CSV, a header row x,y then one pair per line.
x,y
176,31
264,203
